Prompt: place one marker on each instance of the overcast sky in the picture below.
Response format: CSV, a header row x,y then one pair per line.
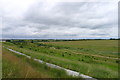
x,y
50,19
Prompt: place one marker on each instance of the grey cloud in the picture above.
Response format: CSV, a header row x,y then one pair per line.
x,y
65,14
100,34
64,19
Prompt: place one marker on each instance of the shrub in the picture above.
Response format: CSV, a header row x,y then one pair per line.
x,y
21,46
63,55
117,61
82,59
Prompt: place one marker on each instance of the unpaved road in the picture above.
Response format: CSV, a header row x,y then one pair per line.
x,y
69,72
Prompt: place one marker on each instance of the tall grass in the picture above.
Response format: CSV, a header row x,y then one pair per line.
x,y
104,47
17,66
94,66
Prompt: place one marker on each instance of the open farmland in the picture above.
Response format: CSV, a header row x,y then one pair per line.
x,y
17,66
95,58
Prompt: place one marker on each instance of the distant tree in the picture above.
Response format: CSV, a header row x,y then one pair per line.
x,y
112,38
8,40
21,46
32,41
117,61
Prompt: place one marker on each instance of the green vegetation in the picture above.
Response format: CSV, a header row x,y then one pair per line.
x,y
102,47
17,66
96,58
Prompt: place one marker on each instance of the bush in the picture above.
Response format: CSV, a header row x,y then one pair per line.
x,y
63,55
21,46
117,61
82,59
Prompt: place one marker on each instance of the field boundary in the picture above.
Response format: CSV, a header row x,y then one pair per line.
x,y
69,72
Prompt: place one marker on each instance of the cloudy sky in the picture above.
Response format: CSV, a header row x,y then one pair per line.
x,y
58,19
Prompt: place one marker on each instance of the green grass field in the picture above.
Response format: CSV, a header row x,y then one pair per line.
x,y
95,58
102,47
17,66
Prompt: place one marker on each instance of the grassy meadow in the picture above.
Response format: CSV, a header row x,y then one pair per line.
x,y
17,66
95,58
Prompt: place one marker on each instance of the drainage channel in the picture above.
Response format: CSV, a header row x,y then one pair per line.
x,y
69,72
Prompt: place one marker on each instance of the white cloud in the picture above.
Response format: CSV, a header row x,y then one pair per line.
x,y
41,19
